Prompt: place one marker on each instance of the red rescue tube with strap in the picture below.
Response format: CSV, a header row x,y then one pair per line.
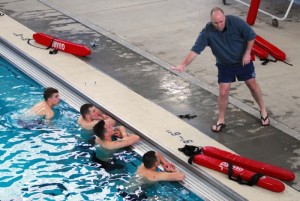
x,y
58,44
270,48
255,166
246,175
261,53
252,12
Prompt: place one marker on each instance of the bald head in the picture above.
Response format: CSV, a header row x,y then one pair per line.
x,y
218,18
217,9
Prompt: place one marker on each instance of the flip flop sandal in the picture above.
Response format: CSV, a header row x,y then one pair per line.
x,y
181,116
191,116
187,116
221,125
264,119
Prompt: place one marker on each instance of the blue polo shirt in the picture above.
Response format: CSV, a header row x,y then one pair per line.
x,y
228,45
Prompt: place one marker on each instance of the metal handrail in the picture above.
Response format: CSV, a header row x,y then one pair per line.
x,y
269,14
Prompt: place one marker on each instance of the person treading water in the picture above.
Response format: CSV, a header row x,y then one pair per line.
x,y
42,112
148,173
108,141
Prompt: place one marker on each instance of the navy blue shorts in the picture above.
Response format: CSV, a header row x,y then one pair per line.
x,y
228,74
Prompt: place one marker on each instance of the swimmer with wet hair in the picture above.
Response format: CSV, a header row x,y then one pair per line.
x,y
105,136
44,108
90,115
148,174
151,160
108,141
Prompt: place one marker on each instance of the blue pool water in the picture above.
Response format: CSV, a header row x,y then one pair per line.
x,y
52,162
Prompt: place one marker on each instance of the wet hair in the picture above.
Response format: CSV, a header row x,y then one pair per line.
x,y
149,159
48,92
99,129
216,9
85,109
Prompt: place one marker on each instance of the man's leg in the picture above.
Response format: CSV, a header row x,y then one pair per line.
x,y
257,95
224,89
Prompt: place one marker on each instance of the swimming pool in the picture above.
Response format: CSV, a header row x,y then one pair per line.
x,y
51,162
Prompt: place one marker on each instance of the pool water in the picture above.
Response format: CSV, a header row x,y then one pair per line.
x,y
53,162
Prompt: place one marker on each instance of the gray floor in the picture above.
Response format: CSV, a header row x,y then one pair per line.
x,y
243,133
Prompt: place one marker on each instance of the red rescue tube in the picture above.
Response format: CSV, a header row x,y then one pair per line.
x,y
270,48
261,53
252,12
58,44
221,166
249,164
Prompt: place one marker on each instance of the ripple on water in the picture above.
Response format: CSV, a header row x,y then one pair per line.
x,y
46,161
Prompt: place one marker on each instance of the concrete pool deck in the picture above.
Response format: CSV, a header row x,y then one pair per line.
x,y
173,93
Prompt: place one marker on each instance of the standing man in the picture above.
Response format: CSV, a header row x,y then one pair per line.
x,y
231,41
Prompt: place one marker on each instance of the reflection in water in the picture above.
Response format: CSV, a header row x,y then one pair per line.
x,y
175,88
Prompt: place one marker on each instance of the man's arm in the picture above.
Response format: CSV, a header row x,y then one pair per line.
x,y
169,167
188,59
199,46
247,55
121,143
85,124
168,176
101,115
121,132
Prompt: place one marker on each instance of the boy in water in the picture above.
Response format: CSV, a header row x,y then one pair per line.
x,y
108,141
148,170
42,111
44,108
90,116
148,173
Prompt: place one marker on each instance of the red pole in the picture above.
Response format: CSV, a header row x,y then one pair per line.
x,y
252,13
